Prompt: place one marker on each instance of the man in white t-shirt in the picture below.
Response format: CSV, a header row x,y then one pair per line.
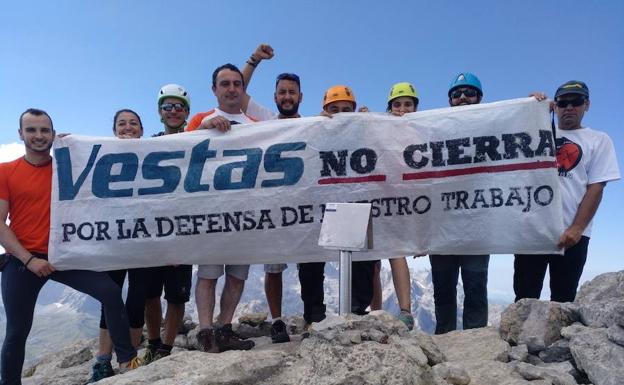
x,y
228,88
586,161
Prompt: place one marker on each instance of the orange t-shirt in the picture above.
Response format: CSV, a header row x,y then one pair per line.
x,y
28,190
196,120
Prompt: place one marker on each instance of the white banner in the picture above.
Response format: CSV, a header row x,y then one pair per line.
x,y
466,180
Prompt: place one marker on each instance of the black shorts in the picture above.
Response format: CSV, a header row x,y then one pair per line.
x,y
176,281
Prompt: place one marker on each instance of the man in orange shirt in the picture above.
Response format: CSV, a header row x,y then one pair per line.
x,y
25,192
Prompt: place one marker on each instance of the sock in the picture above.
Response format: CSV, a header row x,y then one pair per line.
x,y
276,319
165,347
104,358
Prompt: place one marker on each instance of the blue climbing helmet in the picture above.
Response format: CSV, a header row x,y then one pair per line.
x,y
465,79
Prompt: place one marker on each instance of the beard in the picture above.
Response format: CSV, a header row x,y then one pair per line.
x,y
288,111
39,148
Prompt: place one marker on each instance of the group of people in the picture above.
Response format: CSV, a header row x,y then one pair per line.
x,y
25,191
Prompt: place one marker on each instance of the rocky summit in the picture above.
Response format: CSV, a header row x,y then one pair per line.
x,y
537,343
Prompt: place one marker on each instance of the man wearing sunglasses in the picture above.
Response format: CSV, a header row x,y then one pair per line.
x,y
586,161
174,105
465,89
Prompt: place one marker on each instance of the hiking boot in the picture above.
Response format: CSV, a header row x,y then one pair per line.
x,y
279,333
132,364
148,356
206,341
407,318
228,340
100,371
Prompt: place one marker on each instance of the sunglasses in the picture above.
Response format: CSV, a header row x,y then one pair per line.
x,y
170,106
574,102
469,92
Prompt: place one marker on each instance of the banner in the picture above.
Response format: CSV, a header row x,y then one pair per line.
x,y
476,179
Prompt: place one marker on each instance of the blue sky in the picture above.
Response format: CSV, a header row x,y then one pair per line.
x,y
83,60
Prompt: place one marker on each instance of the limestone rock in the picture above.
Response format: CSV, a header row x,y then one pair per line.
x,y
535,323
568,368
601,300
518,353
319,362
531,373
253,319
473,344
81,356
55,369
294,324
616,334
248,330
452,373
431,350
596,355
559,351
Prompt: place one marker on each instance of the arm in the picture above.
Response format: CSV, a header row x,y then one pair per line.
x,y
584,214
9,241
262,52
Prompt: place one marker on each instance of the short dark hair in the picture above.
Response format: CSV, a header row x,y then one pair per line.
x,y
288,76
227,66
119,113
36,112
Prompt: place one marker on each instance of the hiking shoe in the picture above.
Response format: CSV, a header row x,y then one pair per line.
x,y
407,318
148,356
100,371
132,364
228,340
279,333
161,353
206,341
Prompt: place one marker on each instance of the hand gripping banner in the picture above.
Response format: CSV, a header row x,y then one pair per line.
x,y
465,180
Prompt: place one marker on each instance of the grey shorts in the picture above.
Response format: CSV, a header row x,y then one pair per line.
x,y
275,268
215,271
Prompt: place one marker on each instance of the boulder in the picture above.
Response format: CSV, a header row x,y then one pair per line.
x,y
532,373
601,300
431,350
320,361
616,334
253,319
474,344
594,354
198,368
559,351
535,323
519,353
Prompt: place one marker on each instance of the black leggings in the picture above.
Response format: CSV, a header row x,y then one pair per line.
x,y
20,289
137,292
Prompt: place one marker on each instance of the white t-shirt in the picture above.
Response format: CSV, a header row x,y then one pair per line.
x,y
259,112
585,157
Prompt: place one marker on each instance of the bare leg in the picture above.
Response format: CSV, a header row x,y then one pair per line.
x,y
105,346
232,291
173,321
135,336
205,301
273,291
377,299
153,317
402,283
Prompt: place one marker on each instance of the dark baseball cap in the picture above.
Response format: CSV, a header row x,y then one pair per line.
x,y
572,87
